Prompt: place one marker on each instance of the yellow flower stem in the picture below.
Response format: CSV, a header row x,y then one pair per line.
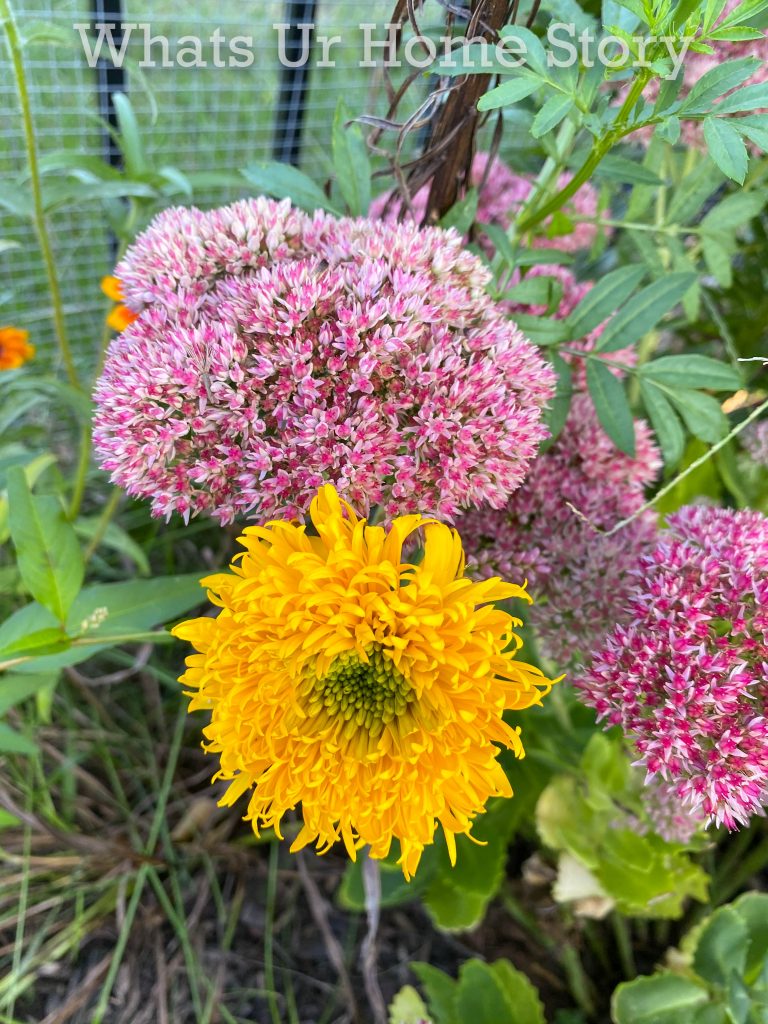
x,y
38,210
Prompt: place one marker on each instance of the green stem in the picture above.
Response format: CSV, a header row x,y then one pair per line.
x,y
690,469
104,520
624,945
753,864
269,924
600,149
38,208
81,473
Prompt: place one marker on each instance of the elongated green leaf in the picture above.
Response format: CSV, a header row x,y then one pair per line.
x,y
611,405
130,136
507,93
693,371
561,403
750,98
285,182
116,538
603,299
644,311
753,127
14,688
665,422
49,556
555,110
693,191
461,215
744,12
351,163
12,742
541,329
734,210
619,168
39,642
702,414
726,147
717,81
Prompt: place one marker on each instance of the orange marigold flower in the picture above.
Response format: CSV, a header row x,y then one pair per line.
x,y
121,315
366,688
15,349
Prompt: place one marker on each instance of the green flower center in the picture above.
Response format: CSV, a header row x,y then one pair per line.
x,y
367,694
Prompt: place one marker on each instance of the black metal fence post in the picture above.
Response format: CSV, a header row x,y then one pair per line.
x,y
294,81
109,80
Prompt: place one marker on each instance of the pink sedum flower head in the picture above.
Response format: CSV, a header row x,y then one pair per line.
x,y
576,575
501,194
277,351
686,677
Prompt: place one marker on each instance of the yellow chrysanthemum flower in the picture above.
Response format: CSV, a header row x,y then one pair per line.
x,y
15,349
367,689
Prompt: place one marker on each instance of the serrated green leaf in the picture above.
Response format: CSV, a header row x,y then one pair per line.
x,y
603,299
644,311
554,110
726,147
532,48
611,405
665,422
715,82
702,414
408,1008
693,192
441,991
733,211
748,99
497,994
510,92
693,371
285,182
48,553
351,162
718,250
661,999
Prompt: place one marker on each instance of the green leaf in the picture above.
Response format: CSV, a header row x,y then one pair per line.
x,y
642,312
721,947
717,81
131,607
619,168
733,211
14,688
461,215
693,191
719,248
457,897
660,999
541,329
510,92
754,128
666,424
408,1008
752,908
603,299
496,994
285,182
49,556
554,110
561,403
748,99
394,888
531,48
351,162
441,992
611,405
130,137
726,147
12,742
744,12
114,537
39,642
702,414
693,371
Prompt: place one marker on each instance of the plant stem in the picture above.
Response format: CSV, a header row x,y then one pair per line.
x,y
269,961
600,149
624,945
104,520
38,209
754,862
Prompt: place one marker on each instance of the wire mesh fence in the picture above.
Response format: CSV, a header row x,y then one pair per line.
x,y
197,119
